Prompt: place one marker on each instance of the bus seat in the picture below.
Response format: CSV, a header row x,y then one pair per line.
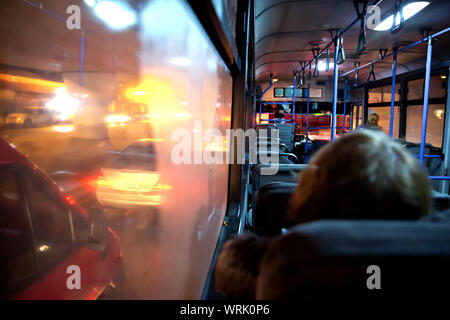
x,y
433,165
329,260
286,173
272,203
441,201
268,128
286,134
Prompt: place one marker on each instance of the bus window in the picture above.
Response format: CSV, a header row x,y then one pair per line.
x,y
385,116
151,80
435,124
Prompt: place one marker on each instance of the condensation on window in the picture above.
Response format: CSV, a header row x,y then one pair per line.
x,y
146,74
383,94
435,124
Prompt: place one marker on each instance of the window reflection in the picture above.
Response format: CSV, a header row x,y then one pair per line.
x,y
435,124
116,93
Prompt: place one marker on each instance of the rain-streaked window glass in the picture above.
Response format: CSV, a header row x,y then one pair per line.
x,y
49,219
435,124
383,94
126,110
415,89
438,87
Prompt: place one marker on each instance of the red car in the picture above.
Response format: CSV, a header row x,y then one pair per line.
x,y
50,247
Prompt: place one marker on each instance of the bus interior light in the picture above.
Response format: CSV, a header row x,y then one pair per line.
x,y
409,10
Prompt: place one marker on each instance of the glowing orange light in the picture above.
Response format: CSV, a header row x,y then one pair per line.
x,y
70,200
25,80
162,187
151,139
101,181
257,119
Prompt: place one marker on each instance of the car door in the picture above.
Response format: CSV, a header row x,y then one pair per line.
x,y
60,243
18,264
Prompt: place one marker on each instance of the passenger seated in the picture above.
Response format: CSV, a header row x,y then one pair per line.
x,y
372,123
237,266
361,175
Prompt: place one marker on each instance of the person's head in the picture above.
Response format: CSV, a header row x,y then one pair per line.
x,y
237,266
372,119
361,175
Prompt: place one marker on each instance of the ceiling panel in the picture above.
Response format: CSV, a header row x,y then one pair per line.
x,y
285,31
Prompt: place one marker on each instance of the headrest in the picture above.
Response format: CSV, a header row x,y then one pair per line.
x,y
336,260
272,203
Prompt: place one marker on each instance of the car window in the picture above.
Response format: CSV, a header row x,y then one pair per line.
x,y
49,218
16,245
81,226
146,148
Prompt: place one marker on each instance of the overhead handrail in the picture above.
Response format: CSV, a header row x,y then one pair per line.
x,y
341,51
362,42
437,34
341,33
371,75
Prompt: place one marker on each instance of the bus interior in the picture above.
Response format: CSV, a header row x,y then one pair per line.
x,y
151,98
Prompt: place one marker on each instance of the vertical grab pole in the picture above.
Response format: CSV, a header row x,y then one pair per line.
x,y
335,88
260,107
80,79
425,99
394,74
307,115
345,102
307,109
261,97
293,103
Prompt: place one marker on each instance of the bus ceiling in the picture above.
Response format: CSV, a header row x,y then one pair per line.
x,y
289,33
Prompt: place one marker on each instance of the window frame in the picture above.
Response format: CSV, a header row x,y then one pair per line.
x,y
35,271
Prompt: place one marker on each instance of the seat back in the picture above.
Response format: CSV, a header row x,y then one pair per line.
x,y
272,203
286,134
270,212
340,260
433,165
286,173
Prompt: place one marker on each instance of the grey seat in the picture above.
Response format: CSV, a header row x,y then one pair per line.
x,y
270,212
433,165
269,215
286,173
329,260
286,134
